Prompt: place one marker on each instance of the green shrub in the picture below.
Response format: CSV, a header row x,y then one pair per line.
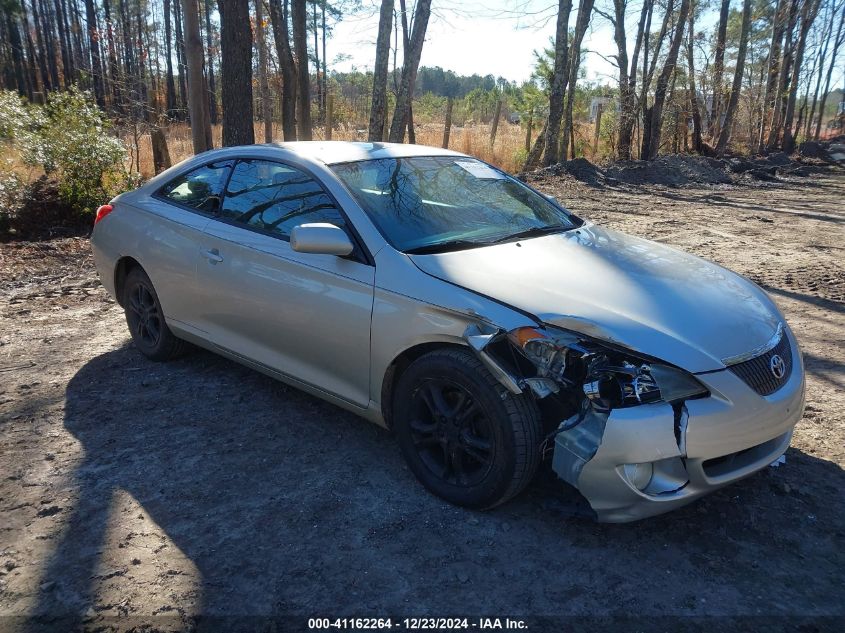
x,y
520,156
69,138
12,192
20,124
77,147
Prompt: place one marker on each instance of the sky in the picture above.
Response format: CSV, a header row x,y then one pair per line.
x,y
497,38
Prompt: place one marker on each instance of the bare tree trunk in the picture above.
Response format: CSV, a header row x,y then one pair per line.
x,y
32,67
733,101
141,74
779,105
529,128
820,57
320,102
288,67
212,84
76,41
802,111
597,132
559,77
169,81
130,65
406,46
263,85
778,27
378,106
653,127
808,16
300,33
649,68
840,37
50,43
448,127
495,125
696,113
236,79
324,90
114,67
401,115
76,30
719,69
628,79
585,10
536,151
329,114
621,38
161,155
14,36
64,48
181,62
96,64
200,125
42,50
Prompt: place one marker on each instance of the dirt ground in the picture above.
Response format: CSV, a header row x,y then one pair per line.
x,y
136,496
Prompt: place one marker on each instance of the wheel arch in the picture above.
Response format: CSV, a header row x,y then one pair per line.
x,y
400,363
121,271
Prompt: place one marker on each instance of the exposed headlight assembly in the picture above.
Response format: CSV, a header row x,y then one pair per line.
x,y
609,377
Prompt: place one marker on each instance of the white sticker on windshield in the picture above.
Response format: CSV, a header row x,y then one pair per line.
x,y
479,170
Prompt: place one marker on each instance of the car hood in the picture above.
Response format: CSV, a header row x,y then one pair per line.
x,y
630,291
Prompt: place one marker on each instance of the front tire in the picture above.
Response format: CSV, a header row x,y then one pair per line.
x,y
465,437
145,319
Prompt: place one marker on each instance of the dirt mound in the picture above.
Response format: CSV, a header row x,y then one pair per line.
x,y
813,149
680,170
672,171
779,159
578,168
583,170
832,151
812,159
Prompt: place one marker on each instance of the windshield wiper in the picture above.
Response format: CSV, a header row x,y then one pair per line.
x,y
444,247
535,231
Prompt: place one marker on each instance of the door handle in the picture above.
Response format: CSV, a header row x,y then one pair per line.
x,y
213,256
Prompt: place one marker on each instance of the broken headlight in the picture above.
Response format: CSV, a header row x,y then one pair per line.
x,y
609,377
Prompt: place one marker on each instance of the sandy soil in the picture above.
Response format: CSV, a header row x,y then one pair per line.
x,y
135,496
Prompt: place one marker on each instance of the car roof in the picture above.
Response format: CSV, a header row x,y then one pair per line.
x,y
325,152
332,152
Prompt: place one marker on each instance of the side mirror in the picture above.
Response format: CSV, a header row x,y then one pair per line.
x,y
320,239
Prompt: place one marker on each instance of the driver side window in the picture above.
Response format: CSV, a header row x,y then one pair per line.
x,y
274,197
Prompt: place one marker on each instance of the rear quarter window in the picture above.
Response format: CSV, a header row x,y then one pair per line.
x,y
201,188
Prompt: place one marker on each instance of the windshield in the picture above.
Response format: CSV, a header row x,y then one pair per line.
x,y
438,203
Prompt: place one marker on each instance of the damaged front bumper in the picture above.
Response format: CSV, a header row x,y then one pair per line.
x,y
636,462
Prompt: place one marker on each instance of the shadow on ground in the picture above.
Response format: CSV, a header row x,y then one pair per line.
x,y
286,505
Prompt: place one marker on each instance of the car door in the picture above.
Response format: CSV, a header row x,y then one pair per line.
x,y
168,239
304,315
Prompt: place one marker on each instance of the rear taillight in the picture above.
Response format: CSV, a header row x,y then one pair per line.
x,y
102,212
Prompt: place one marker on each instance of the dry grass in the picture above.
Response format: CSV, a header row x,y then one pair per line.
x,y
508,152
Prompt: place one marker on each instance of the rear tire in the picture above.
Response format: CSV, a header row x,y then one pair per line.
x,y
145,319
465,437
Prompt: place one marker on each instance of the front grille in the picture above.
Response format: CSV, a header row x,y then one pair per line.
x,y
757,372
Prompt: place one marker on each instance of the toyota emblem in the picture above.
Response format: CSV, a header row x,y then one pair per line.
x,y
778,366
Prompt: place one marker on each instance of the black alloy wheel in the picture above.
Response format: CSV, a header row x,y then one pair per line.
x,y
451,433
463,434
145,318
143,315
